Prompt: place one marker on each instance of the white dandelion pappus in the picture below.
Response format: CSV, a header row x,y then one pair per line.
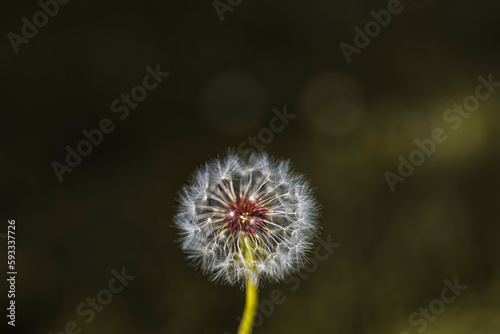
x,y
233,201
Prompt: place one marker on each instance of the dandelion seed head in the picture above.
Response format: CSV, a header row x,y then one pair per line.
x,y
233,201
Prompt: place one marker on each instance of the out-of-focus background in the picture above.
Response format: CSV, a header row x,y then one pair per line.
x,y
358,101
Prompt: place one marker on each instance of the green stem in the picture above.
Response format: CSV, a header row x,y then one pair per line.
x,y
246,324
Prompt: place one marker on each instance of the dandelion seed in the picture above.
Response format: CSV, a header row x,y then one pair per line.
x,y
245,220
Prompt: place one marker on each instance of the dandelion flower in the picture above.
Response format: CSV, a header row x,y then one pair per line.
x,y
245,220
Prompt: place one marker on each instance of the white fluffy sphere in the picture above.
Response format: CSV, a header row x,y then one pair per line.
x,y
232,202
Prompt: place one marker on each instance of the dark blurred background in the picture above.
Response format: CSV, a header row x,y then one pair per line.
x,y
352,121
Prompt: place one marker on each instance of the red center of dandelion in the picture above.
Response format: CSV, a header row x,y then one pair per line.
x,y
245,216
